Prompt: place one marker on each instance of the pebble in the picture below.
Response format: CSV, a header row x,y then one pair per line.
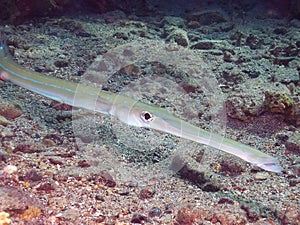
x,y
10,169
19,203
4,121
9,110
4,218
179,36
155,212
261,176
146,193
207,17
293,143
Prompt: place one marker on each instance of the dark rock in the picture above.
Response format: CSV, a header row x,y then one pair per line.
x,y
285,51
280,31
121,35
107,179
29,148
290,215
83,164
294,182
19,203
146,193
99,198
179,36
9,110
32,175
200,178
61,63
286,75
203,45
139,218
253,42
225,201
47,187
207,18
155,212
231,167
293,143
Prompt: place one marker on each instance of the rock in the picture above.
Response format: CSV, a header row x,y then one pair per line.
x,y
280,31
261,176
139,218
231,167
203,180
155,212
293,143
223,214
9,110
207,17
29,148
253,42
278,102
4,121
18,203
106,179
290,215
146,193
191,214
10,169
203,45
249,99
231,215
4,218
286,75
173,21
211,44
285,104
179,36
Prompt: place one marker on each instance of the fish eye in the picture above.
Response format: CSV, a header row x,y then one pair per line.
x,y
147,116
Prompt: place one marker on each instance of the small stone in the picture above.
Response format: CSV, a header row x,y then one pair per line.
x,y
139,218
174,21
19,203
291,215
203,45
32,175
261,176
253,41
286,75
293,143
10,169
61,63
29,148
9,110
280,30
179,36
4,218
48,142
47,187
207,17
4,121
55,161
155,212
83,164
146,193
107,179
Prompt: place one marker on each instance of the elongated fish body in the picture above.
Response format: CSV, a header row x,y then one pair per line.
x,y
127,110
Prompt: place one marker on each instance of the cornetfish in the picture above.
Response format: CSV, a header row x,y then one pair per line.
x,y
126,109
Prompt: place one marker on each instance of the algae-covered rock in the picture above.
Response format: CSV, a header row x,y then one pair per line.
x,y
257,96
285,104
249,100
179,36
